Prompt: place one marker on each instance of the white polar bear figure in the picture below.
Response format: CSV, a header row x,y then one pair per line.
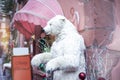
x,y
67,51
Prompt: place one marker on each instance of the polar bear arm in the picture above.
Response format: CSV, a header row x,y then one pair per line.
x,y
66,63
41,58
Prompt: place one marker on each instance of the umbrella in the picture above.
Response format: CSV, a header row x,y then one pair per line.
x,y
35,12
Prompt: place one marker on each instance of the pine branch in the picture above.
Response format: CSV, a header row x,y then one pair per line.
x,y
8,5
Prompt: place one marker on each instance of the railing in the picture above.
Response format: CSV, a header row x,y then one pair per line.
x,y
41,74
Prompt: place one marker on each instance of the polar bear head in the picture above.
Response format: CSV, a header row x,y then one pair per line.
x,y
55,25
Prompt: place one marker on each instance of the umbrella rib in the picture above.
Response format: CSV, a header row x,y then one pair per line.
x,y
28,12
31,29
22,27
47,6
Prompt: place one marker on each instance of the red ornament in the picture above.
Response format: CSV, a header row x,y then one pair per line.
x,y
12,45
101,78
82,76
43,76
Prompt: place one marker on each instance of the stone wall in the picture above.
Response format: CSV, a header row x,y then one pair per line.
x,y
99,57
99,19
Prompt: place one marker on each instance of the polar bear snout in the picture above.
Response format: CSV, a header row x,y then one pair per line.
x,y
42,31
47,30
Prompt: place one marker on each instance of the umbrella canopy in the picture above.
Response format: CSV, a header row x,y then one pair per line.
x,y
35,12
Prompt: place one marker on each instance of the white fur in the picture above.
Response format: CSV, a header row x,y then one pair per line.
x,y
67,51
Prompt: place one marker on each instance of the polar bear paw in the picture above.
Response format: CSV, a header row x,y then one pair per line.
x,y
52,66
35,61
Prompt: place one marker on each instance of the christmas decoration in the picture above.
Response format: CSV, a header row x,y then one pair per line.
x,y
42,68
82,76
43,45
101,78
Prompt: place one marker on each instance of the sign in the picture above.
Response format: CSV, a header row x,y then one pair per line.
x,y
21,68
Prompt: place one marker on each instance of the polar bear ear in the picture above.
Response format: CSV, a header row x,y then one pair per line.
x,y
62,21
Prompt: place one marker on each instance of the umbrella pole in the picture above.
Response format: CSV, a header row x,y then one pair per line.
x,y
38,31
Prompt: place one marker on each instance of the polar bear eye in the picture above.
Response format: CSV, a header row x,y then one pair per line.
x,y
50,24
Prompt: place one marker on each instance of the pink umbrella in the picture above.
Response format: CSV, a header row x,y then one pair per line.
x,y
35,12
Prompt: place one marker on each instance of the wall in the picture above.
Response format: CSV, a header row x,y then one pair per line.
x,y
99,18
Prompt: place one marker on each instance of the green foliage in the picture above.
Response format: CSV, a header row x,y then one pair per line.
x,y
7,5
43,45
